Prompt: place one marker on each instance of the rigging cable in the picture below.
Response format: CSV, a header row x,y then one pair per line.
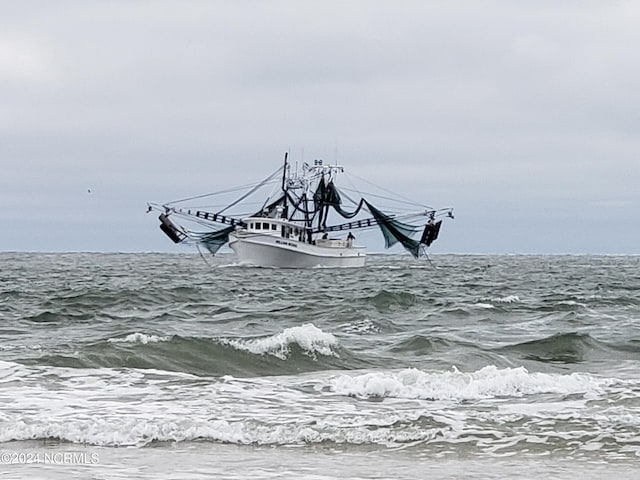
x,y
229,190
264,182
408,200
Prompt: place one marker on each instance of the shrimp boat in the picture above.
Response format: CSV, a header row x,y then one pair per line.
x,y
305,221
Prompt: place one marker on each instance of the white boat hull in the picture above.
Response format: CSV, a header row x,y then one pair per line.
x,y
272,251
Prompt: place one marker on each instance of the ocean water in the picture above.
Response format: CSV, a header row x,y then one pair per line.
x,y
164,366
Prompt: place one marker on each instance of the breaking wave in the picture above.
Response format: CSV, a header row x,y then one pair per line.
x,y
487,382
302,348
308,338
431,408
141,432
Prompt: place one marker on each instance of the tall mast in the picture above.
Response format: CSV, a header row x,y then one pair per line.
x,y
284,184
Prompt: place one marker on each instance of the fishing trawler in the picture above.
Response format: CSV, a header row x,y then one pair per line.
x,y
305,220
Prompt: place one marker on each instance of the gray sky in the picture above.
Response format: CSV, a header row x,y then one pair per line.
x,y
523,116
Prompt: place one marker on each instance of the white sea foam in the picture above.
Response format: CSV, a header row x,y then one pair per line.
x,y
487,382
9,347
140,432
130,407
10,370
507,299
486,306
360,327
138,337
308,337
573,303
232,265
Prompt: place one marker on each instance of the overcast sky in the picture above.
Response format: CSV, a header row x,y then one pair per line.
x,y
523,116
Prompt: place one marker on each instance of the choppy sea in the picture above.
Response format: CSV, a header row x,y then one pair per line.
x,y
164,366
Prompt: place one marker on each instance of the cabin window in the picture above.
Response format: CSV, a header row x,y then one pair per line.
x,y
265,226
274,227
257,226
251,226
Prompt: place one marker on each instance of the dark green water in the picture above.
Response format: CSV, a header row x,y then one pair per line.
x,y
485,357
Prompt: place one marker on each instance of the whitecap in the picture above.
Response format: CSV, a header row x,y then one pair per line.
x,y
508,299
308,337
361,326
9,347
138,337
573,303
486,306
